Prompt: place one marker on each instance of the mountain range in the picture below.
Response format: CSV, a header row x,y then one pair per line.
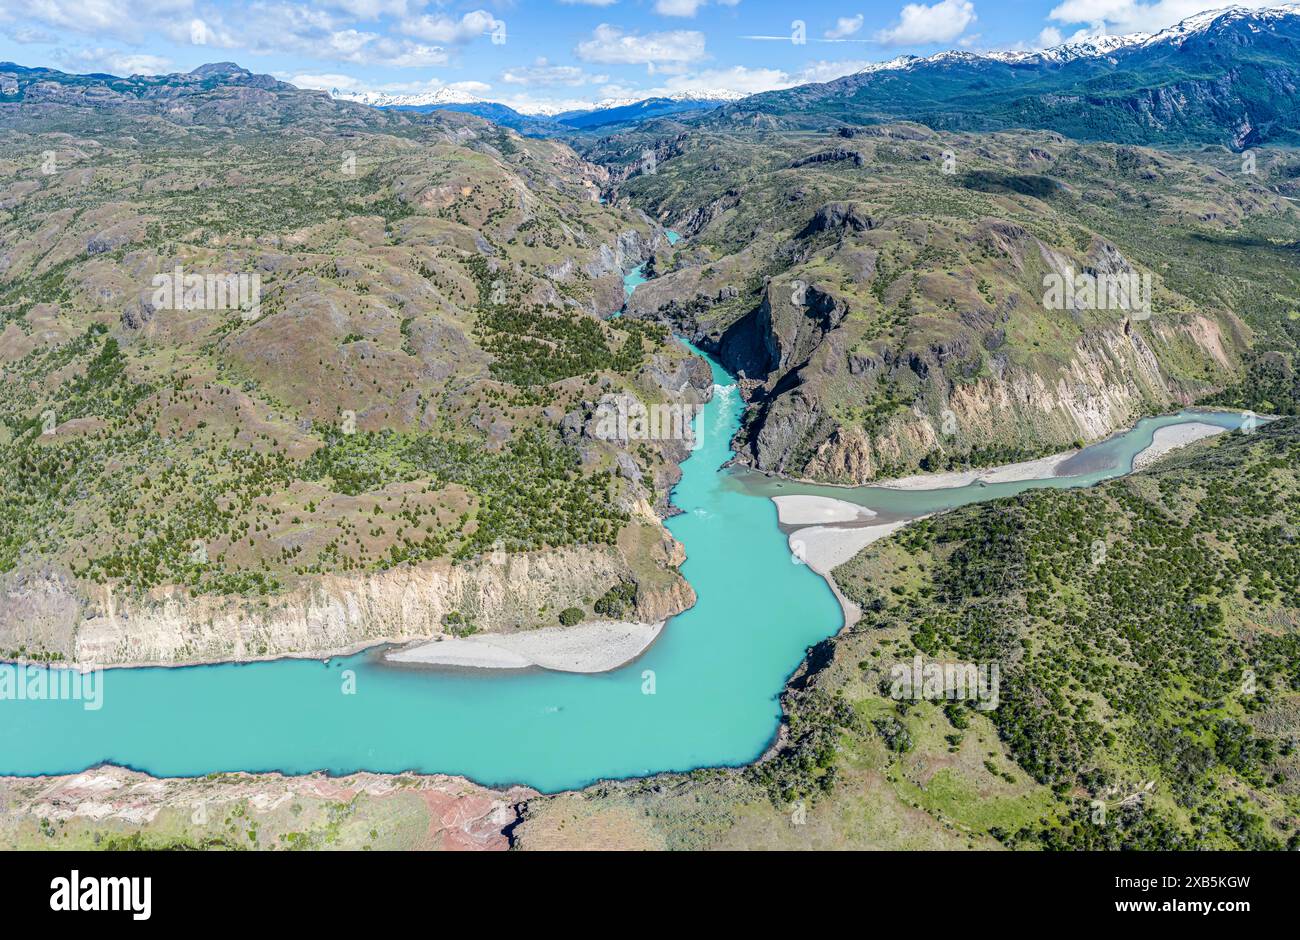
x,y
1225,76
546,121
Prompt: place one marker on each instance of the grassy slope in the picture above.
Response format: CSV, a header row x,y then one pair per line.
x,y
194,447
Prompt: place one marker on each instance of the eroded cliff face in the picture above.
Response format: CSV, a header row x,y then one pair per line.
x,y
111,807
853,372
46,613
964,397
804,364
1114,378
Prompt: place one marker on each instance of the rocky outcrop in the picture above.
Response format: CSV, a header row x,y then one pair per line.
x,y
107,804
1113,378
45,613
40,610
837,216
835,155
783,331
700,219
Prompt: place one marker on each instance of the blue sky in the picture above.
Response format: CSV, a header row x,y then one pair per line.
x,y
532,52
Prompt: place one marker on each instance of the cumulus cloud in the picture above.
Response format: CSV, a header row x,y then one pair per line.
x,y
829,71
751,81
26,34
845,26
685,7
440,28
919,25
121,19
1132,16
737,78
329,82
678,7
328,30
612,45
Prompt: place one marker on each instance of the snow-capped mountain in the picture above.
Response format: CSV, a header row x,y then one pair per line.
x,y
447,95
1229,76
1099,46
942,86
381,99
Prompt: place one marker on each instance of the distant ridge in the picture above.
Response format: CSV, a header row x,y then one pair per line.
x,y
1229,76
546,121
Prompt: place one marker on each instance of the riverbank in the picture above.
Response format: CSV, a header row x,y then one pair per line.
x,y
598,646
828,532
824,532
1167,440
1007,473
817,510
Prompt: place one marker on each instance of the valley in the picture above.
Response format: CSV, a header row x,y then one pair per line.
x,y
305,432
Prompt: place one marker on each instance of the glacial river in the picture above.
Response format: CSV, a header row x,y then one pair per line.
x,y
705,694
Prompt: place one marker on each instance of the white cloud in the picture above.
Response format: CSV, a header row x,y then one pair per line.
x,y
26,35
542,72
123,19
829,71
268,27
1131,16
114,62
326,82
919,25
681,7
1049,37
736,78
748,80
678,7
739,78
845,26
611,45
446,29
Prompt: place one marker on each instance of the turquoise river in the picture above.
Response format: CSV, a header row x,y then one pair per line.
x,y
716,671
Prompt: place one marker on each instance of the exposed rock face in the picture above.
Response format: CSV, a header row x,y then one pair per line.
x,y
422,812
39,611
700,218
875,342
1113,379
836,155
790,351
783,331
333,614
835,216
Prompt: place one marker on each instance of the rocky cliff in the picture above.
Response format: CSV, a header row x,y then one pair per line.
x,y
886,315
47,613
